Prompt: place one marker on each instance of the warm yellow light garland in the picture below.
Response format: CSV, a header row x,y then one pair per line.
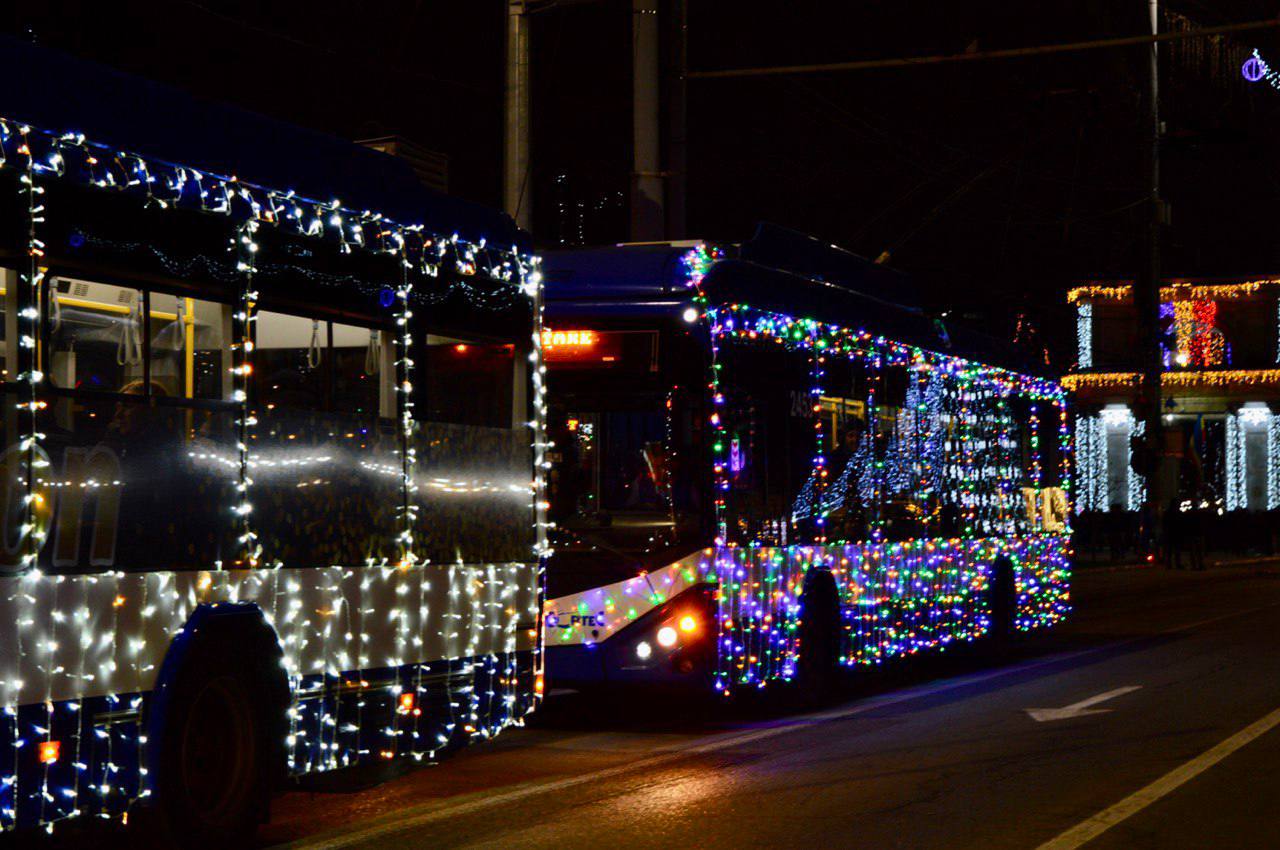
x,y
1173,292
1177,380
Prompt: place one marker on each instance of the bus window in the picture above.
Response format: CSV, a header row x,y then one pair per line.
x,y
850,498
900,426
980,448
628,472
136,461
887,436
96,337
290,367
613,464
468,382
12,457
321,448
473,451
190,357
771,444
363,371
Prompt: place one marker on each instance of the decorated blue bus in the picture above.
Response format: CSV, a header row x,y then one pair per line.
x,y
270,477
769,464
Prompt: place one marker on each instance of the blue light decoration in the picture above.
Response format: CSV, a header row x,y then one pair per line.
x,y
1255,69
898,598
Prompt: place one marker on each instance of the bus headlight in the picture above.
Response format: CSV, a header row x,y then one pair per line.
x,y
688,623
667,637
643,650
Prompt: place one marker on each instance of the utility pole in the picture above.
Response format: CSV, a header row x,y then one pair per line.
x,y
1146,291
517,182
647,191
677,120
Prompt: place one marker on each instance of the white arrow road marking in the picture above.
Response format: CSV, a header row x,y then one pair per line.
x,y
1079,709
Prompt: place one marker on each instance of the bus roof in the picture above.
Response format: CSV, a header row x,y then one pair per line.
x,y
777,270
64,93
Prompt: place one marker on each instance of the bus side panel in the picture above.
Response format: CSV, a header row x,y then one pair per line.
x,y
897,599
1042,580
78,654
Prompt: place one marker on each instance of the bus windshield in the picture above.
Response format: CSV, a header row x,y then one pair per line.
x,y
626,477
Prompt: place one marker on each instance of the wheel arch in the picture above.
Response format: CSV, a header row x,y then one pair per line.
x,y
820,581
819,630
1003,595
239,626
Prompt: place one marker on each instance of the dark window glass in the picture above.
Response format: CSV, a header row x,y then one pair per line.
x,y
473,447
771,440
467,382
290,361
325,464
362,359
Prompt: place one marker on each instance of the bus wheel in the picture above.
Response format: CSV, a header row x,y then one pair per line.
x,y
819,637
213,787
1003,599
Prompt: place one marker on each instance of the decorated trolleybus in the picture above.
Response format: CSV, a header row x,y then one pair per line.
x,y
270,503
767,465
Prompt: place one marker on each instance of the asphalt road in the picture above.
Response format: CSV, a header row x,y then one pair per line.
x,y
1183,752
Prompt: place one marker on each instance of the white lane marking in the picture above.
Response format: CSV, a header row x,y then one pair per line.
x,y
415,816
1081,708
1087,830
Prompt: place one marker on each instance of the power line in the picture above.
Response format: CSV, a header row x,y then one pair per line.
x,y
1009,53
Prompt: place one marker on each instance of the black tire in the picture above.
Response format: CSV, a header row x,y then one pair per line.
x,y
215,769
818,668
1004,600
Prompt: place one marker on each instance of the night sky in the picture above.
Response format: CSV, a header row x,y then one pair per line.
x,y
997,183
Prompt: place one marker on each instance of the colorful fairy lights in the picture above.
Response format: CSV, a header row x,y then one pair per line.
x,y
899,598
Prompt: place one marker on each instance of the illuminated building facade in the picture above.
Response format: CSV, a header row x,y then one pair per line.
x,y
1220,344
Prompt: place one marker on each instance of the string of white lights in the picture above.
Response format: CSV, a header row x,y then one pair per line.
x,y
1273,463
244,318
1084,334
100,639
